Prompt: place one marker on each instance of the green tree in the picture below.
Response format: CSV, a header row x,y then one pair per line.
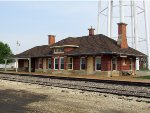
x,y
5,52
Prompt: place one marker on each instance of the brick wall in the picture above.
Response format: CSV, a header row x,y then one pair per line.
x,y
106,63
21,63
76,63
68,49
122,34
134,61
119,63
51,39
36,63
52,62
65,63
124,63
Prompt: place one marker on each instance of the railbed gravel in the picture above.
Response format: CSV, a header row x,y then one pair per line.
x,y
118,89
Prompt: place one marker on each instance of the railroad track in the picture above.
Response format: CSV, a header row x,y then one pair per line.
x,y
111,87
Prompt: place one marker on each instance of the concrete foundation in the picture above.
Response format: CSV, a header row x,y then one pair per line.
x,y
84,72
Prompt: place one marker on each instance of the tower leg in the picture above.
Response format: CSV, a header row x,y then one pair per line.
x,y
147,34
111,18
98,16
108,18
132,25
135,33
121,11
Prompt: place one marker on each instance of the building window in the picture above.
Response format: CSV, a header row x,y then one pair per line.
x,y
98,63
59,50
70,62
56,65
49,63
114,63
61,62
40,63
82,63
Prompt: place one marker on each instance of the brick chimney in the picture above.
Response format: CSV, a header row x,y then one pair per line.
x,y
51,39
91,31
122,38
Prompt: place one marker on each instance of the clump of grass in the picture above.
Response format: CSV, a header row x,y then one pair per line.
x,y
144,77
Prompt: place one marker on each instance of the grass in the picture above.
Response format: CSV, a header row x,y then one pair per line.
x,y
144,77
143,70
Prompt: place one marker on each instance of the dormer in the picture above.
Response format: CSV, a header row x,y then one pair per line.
x,y
63,48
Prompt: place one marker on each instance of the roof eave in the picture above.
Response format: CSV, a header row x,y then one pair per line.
x,y
76,54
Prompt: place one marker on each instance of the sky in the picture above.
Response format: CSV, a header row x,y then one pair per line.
x,y
30,22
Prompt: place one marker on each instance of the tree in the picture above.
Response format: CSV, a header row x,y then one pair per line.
x,y
5,52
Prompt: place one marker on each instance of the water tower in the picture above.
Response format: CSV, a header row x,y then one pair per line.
x,y
133,13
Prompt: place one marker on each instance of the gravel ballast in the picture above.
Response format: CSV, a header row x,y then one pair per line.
x,y
112,87
17,97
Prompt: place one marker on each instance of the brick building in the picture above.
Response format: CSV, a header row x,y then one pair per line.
x,y
92,54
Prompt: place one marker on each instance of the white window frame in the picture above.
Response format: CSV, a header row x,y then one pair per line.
x,y
115,63
60,58
57,52
54,63
70,63
96,65
48,63
80,63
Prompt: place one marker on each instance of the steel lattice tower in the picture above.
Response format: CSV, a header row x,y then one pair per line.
x,y
134,9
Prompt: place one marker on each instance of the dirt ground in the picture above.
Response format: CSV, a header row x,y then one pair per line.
x,y
18,97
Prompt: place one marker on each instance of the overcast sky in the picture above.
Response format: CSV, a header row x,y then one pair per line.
x,y
30,22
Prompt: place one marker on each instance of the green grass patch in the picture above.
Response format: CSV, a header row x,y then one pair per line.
x,y
141,69
144,77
